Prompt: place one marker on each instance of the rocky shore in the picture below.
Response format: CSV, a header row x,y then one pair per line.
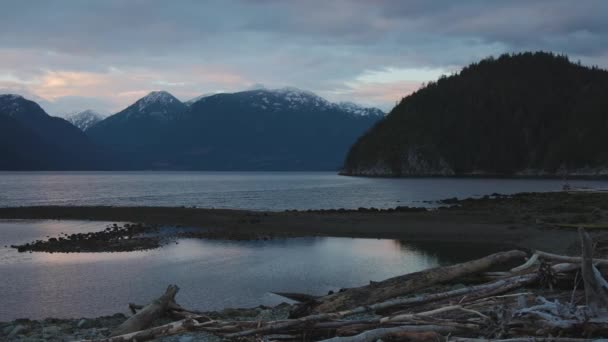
x,y
52,329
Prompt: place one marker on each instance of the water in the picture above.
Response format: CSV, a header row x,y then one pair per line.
x,y
211,274
250,190
217,274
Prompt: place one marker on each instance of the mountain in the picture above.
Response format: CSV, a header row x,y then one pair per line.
x,y
85,119
138,131
282,129
30,139
529,114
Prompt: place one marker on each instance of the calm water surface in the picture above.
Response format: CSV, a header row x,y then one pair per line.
x,y
216,274
249,190
211,274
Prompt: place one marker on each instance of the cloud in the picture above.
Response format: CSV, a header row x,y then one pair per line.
x,y
111,51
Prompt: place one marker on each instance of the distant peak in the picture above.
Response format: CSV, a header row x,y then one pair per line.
x,y
160,95
294,90
84,119
86,112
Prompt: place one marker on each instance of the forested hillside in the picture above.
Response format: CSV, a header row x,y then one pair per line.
x,y
521,114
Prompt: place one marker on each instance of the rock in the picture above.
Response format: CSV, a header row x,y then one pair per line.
x,y
17,330
50,331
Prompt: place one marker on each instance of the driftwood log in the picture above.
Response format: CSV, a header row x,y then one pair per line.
x,y
468,293
406,284
596,288
148,314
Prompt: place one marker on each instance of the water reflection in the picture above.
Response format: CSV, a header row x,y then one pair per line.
x,y
212,274
449,252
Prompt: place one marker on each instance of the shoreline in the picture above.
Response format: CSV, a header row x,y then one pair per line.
x,y
603,176
526,220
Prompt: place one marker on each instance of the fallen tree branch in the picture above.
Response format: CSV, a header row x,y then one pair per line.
x,y
402,285
596,293
493,288
148,314
529,263
568,259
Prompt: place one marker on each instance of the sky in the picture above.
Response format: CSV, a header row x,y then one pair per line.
x,y
71,55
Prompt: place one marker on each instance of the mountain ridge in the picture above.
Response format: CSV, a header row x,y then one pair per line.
x,y
236,131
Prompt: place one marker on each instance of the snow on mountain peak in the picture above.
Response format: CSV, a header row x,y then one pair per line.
x,y
158,104
84,119
295,98
354,108
160,97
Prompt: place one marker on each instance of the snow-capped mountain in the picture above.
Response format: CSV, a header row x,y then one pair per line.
x,y
260,129
84,119
359,110
289,98
16,106
142,123
158,104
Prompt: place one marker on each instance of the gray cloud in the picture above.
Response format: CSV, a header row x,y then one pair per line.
x,y
107,53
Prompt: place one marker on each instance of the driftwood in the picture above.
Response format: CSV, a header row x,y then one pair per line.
x,y
172,328
469,293
148,314
596,288
402,285
485,310
570,259
375,334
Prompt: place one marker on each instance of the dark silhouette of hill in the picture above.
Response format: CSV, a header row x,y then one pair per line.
x,y
520,114
30,139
